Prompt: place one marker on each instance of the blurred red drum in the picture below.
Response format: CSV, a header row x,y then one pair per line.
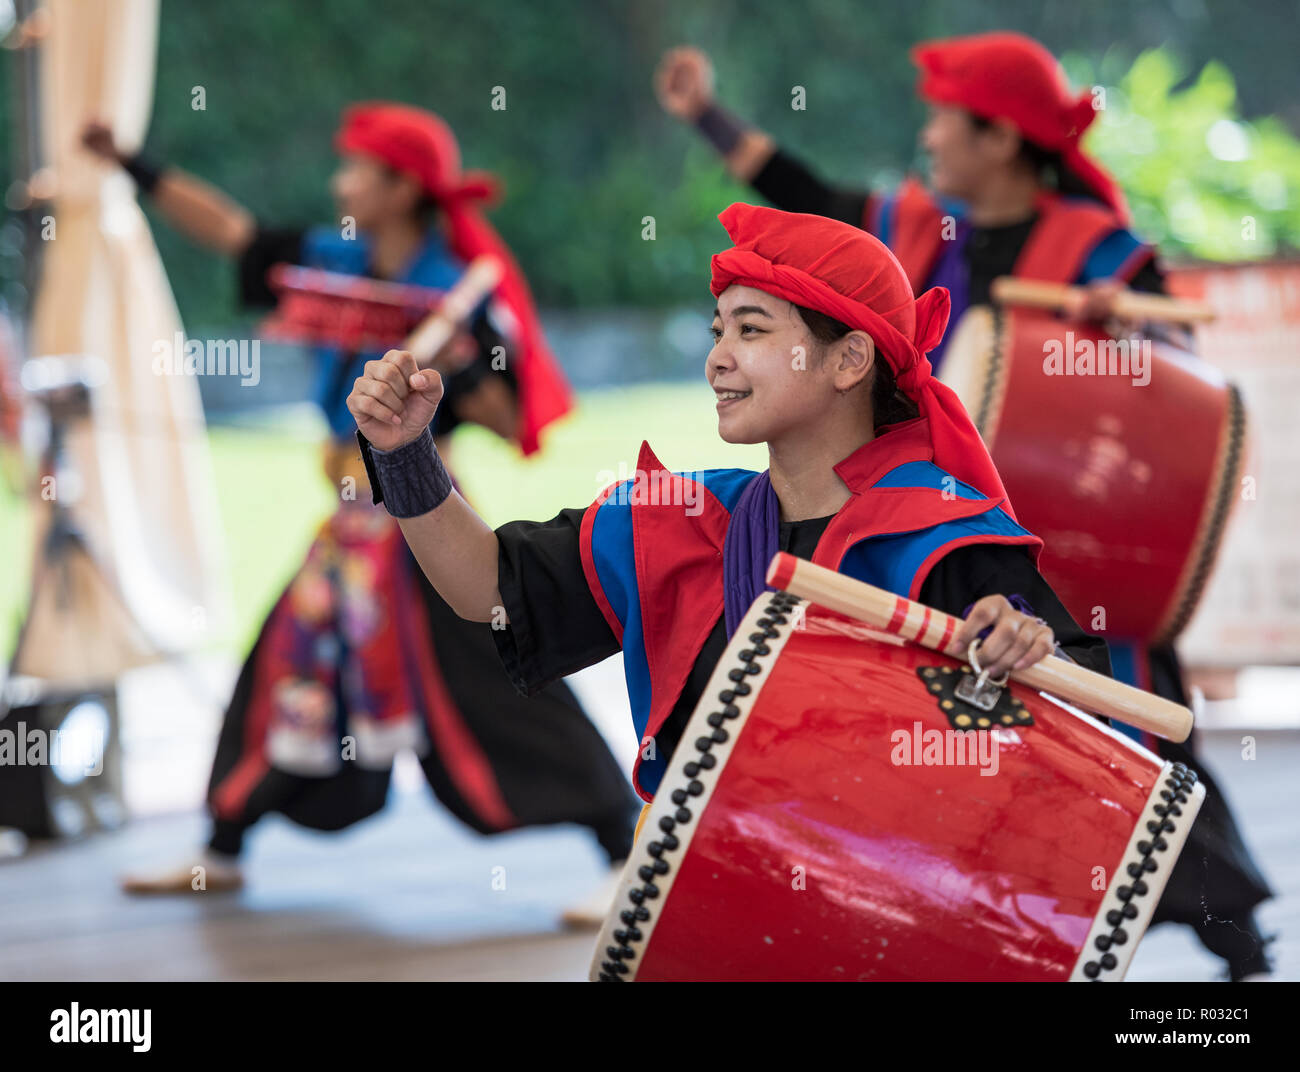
x,y
1125,456
816,823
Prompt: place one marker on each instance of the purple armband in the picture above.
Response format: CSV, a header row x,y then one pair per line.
x,y
720,128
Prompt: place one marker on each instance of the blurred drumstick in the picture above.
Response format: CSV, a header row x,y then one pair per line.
x,y
934,629
1128,305
440,326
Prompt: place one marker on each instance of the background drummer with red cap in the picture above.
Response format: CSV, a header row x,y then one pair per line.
x,y
347,653
875,470
1011,193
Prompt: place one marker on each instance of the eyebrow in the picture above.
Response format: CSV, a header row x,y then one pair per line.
x,y
741,309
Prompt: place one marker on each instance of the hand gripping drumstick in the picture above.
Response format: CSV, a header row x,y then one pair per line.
x,y
437,329
934,629
1129,305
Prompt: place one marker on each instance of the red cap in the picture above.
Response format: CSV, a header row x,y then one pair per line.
x,y
419,143
415,142
1011,76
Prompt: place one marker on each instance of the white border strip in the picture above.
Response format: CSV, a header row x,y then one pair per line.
x,y
1146,904
663,805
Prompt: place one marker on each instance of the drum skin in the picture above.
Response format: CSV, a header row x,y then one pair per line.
x,y
1129,486
818,856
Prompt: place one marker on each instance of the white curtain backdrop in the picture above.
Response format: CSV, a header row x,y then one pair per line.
x,y
148,503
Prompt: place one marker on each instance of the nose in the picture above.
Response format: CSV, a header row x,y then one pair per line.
x,y
718,361
339,183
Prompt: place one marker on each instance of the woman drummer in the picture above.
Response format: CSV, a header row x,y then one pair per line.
x,y
874,469
355,662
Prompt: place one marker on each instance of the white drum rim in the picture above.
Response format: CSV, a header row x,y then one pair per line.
x,y
776,606
1176,780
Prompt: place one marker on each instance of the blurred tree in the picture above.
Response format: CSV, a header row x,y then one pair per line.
x,y
586,155
1200,180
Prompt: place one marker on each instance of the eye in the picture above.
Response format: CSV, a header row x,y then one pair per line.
x,y
716,332
750,328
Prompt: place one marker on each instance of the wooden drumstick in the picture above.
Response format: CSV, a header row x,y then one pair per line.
x,y
1129,305
934,629
437,329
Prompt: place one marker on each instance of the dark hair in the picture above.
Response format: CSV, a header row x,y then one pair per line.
x,y
425,211
1046,164
888,404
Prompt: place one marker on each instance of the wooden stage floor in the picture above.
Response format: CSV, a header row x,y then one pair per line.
x,y
408,895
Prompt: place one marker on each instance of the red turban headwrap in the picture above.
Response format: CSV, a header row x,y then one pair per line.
x,y
848,274
418,143
1011,76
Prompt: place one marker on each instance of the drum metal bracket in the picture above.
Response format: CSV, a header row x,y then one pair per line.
x,y
970,701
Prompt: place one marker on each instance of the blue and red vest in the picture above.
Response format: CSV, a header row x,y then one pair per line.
x,y
337,370
652,553
1074,240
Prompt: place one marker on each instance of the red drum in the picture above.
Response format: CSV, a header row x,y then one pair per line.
x,y
824,819
323,308
1129,484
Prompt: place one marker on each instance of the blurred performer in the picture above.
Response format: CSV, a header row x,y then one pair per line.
x,y
360,658
862,442
1011,193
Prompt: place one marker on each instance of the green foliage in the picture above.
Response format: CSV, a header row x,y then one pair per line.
x,y
586,154
1201,181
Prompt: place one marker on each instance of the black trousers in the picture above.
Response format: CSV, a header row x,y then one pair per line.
x,y
550,763
1216,883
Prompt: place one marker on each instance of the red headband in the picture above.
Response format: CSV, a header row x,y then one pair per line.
x,y
415,142
1011,76
418,143
850,275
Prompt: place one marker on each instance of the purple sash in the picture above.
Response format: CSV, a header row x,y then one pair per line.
x,y
753,537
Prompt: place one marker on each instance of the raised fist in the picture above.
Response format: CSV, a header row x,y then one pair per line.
x,y
395,400
684,82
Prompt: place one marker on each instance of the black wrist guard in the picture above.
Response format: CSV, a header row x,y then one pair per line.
x,y
145,172
410,480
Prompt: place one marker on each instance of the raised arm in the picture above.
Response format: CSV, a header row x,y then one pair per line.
x,y
684,85
393,404
198,210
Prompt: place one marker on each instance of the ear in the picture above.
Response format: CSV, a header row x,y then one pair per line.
x,y
409,190
1003,140
855,357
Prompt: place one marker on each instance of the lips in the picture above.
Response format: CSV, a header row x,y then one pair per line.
x,y
726,398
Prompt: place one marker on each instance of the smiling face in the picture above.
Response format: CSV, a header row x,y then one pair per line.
x,y
772,377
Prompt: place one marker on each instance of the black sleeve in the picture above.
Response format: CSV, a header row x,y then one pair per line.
x,y
790,186
555,627
269,246
1149,278
972,572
